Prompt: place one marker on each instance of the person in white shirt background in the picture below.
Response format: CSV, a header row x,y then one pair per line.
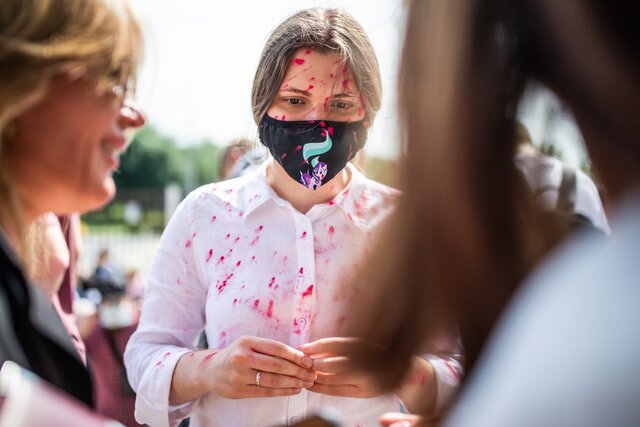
x,y
544,175
263,263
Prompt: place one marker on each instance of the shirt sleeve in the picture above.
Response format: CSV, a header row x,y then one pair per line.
x,y
446,359
171,321
448,371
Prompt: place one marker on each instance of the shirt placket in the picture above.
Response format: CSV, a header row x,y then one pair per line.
x,y
303,303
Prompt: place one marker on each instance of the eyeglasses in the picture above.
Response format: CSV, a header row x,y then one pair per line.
x,y
118,85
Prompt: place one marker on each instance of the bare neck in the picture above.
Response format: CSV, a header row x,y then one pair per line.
x,y
301,198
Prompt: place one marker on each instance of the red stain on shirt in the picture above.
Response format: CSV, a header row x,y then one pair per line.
x,y
221,260
188,243
256,303
284,118
332,229
270,310
213,218
299,61
301,271
224,283
255,240
272,281
227,236
238,263
308,292
209,255
303,235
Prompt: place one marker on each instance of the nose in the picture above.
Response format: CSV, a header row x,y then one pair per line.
x,y
130,116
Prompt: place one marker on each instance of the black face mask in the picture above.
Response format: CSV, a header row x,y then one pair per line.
x,y
312,152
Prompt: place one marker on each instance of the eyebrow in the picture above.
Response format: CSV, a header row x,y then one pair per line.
x,y
307,93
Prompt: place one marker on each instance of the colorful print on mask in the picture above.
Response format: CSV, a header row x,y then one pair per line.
x,y
312,152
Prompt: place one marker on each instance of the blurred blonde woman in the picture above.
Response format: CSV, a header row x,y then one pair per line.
x,y
66,70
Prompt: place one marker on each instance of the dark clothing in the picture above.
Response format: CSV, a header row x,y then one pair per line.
x,y
32,334
113,397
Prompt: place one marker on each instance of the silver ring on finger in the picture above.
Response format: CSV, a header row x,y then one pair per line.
x,y
258,378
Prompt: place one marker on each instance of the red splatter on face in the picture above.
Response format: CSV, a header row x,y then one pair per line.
x,y
312,79
307,52
299,61
308,292
209,255
310,87
270,310
332,229
303,235
331,75
284,118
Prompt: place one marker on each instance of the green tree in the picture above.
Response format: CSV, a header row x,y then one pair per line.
x,y
152,161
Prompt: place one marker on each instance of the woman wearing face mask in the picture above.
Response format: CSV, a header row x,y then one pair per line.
x,y
263,263
64,67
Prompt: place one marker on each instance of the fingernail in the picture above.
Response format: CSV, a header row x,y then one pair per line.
x,y
307,362
308,384
311,375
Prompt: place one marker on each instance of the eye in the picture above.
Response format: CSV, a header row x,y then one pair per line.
x,y
294,101
342,105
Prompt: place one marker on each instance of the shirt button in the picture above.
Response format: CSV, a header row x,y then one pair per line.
x,y
302,322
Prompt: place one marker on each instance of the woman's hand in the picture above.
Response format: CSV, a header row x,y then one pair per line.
x,y
233,372
336,375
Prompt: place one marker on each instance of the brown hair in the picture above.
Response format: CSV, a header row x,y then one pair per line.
x,y
466,231
39,39
325,30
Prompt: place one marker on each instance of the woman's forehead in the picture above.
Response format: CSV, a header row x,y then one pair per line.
x,y
312,69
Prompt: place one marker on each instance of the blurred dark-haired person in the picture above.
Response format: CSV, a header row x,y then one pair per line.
x,y
469,240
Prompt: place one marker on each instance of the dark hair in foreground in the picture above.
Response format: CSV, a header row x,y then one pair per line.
x,y
466,232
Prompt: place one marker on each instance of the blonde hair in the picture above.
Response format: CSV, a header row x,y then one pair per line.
x,y
325,30
39,39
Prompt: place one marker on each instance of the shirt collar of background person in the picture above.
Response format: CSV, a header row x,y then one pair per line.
x,y
352,200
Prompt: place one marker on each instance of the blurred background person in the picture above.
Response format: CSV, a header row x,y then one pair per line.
x,y
468,231
239,158
559,188
67,68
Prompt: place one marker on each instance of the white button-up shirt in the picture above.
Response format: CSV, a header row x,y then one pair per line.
x,y
236,260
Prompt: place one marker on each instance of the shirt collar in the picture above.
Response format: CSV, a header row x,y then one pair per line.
x,y
349,200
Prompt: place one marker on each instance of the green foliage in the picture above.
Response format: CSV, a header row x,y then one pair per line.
x,y
150,162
